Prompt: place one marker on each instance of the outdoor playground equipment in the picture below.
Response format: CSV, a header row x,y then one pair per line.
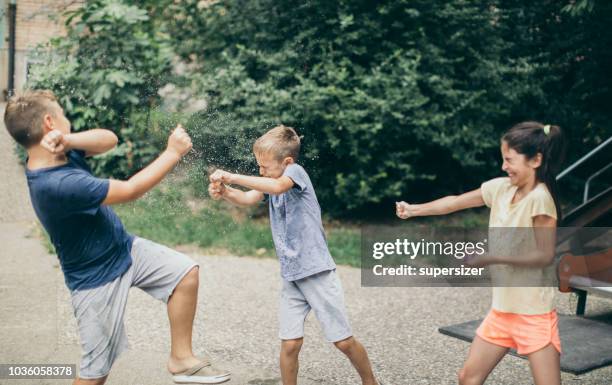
x,y
585,265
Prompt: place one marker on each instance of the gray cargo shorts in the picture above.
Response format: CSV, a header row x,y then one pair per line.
x,y
155,269
323,294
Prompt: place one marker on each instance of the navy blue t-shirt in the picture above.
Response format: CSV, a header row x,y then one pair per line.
x,y
90,240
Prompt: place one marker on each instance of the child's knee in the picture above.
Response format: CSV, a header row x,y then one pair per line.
x,y
346,345
191,279
292,347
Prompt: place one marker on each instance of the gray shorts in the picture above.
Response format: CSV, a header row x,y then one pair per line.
x,y
322,293
99,312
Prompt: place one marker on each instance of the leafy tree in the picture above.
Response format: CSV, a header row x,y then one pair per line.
x,y
394,98
107,72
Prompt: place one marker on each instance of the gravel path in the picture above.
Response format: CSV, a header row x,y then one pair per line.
x,y
236,321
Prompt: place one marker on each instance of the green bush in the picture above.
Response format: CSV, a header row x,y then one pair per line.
x,y
395,99
106,73
164,216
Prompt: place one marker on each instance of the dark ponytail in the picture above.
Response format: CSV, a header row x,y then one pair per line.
x,y
531,138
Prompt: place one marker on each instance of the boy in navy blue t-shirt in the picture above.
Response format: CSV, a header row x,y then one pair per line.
x,y
99,258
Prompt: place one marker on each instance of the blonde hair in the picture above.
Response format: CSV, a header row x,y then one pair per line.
x,y
24,115
281,141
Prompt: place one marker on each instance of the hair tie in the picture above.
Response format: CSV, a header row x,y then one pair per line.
x,y
546,129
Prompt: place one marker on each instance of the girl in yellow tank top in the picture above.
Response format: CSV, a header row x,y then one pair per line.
x,y
522,318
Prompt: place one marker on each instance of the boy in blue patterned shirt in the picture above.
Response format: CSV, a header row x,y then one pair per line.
x,y
307,268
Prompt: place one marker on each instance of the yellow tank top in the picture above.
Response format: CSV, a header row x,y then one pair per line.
x,y
498,194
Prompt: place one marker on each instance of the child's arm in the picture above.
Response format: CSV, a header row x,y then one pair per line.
x,y
241,198
93,142
442,206
273,186
179,144
545,229
218,190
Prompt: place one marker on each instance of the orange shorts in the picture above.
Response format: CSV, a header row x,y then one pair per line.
x,y
524,333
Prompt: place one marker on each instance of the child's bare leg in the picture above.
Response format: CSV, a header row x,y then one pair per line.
x,y
482,359
289,365
545,366
181,312
355,351
97,381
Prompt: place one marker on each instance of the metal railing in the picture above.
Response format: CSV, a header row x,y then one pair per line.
x,y
601,147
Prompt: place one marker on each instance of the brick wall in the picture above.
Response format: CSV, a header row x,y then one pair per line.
x,y
37,22
34,24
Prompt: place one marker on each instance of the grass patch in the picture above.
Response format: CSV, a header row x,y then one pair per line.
x,y
169,214
345,245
